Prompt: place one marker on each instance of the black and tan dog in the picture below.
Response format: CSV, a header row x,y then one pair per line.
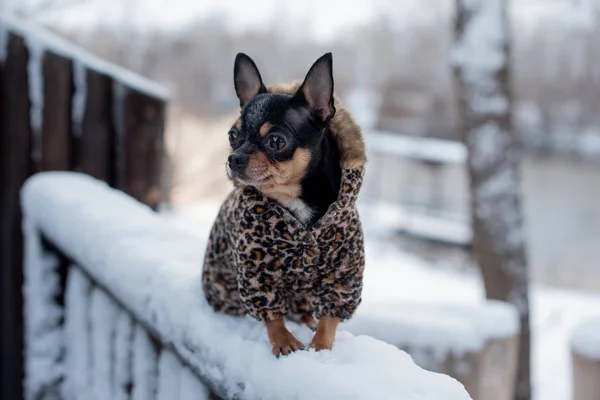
x,y
288,241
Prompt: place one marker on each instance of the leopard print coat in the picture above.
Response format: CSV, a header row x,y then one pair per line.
x,y
262,261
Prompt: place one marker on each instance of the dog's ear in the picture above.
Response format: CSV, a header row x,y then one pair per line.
x,y
246,79
317,88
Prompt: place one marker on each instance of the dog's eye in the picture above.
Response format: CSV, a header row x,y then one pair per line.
x,y
234,135
276,142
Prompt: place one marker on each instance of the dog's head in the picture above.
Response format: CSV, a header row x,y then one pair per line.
x,y
276,139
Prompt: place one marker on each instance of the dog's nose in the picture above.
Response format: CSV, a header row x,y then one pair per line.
x,y
237,161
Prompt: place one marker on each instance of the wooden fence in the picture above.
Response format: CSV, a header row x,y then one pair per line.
x,y
63,109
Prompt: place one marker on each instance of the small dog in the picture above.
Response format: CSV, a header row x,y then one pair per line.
x,y
288,242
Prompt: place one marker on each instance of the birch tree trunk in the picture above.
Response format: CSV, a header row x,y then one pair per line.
x,y
481,57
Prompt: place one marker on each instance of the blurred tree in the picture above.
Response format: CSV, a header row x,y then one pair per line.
x,y
481,57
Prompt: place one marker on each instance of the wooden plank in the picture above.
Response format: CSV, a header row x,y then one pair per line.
x,y
56,114
15,163
139,122
93,154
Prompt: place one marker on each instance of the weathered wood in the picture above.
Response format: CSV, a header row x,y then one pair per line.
x,y
94,142
485,119
586,377
585,355
15,167
139,122
56,121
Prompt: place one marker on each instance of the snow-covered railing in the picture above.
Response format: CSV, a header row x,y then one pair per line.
x,y
134,319
426,178
585,352
64,109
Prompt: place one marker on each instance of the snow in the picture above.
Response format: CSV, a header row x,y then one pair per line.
x,y
191,388
35,77
123,352
585,339
40,39
153,268
102,326
426,149
480,54
489,139
42,316
77,345
79,97
169,370
145,365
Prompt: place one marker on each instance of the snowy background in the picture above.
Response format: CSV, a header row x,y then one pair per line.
x,y
392,68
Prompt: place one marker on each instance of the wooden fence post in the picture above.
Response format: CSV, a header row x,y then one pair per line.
x,y
94,137
15,164
56,121
139,121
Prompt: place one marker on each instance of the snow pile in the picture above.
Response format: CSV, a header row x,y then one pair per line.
x,y
585,339
154,269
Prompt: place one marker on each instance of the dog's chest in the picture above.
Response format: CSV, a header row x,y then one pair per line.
x,y
300,209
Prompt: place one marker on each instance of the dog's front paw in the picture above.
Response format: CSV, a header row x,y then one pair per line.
x,y
285,343
325,335
322,341
281,339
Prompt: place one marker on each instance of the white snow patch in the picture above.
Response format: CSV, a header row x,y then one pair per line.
x,y
77,339
103,325
480,54
488,144
35,77
123,356
169,370
43,328
145,365
79,97
495,206
154,268
191,388
585,339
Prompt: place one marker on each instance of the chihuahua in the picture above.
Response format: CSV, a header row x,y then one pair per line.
x,y
287,242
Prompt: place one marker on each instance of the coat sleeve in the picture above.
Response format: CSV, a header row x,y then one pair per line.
x,y
340,291
259,268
